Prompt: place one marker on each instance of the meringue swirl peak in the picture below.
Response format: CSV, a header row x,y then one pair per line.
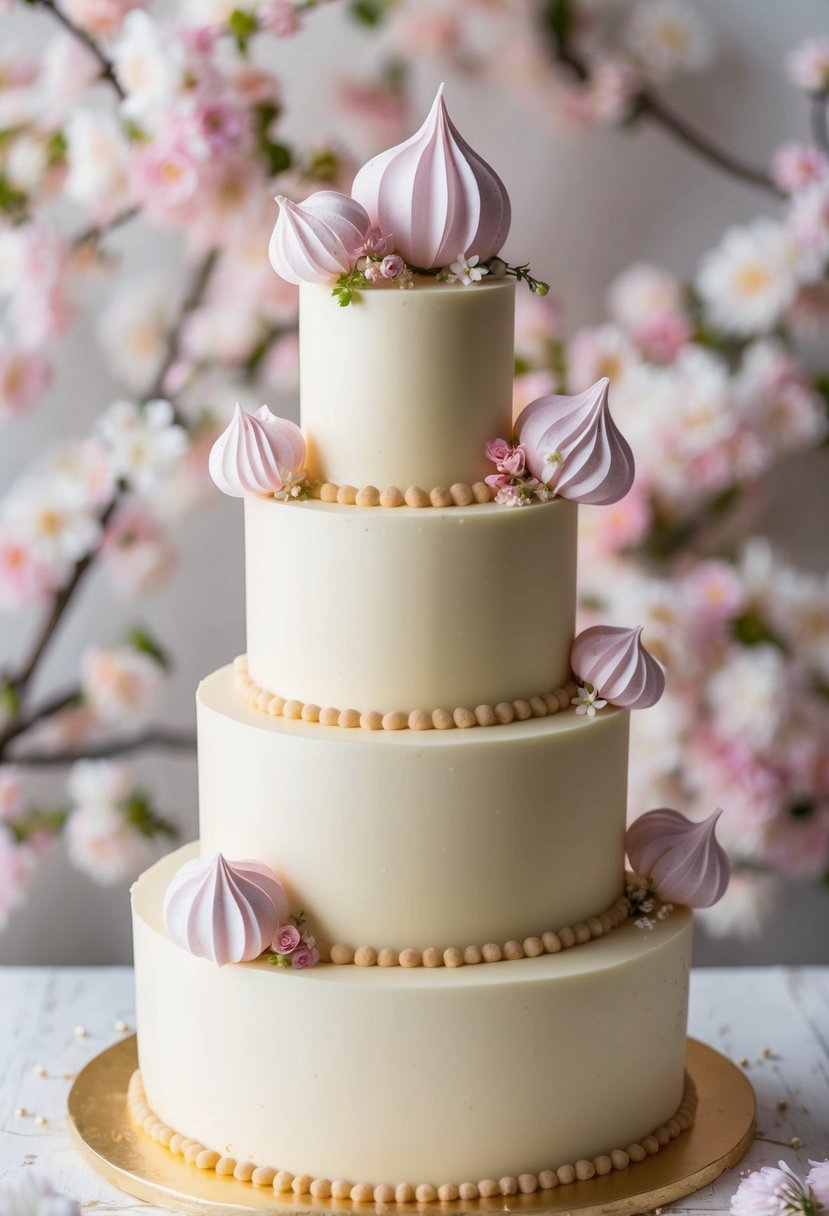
x,y
615,663
319,239
684,860
438,197
250,455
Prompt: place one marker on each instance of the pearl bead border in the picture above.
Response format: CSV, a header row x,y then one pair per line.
x,y
457,495
284,1182
547,943
463,718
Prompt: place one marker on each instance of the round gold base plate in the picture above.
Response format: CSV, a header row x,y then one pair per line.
x,y
130,1160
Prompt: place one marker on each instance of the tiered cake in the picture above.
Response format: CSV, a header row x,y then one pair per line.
x,y
405,757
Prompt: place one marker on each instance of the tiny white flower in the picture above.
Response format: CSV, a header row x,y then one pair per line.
x,y
587,701
644,922
148,64
666,37
96,154
750,279
467,270
54,518
144,443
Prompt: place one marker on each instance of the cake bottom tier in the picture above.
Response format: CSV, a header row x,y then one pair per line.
x,y
395,1076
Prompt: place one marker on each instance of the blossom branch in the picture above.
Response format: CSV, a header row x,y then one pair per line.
x,y
165,739
647,102
23,723
820,121
191,302
96,232
107,70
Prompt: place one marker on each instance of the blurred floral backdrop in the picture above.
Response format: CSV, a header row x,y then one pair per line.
x,y
129,116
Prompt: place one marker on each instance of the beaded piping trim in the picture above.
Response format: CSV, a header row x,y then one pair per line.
x,y
531,947
457,495
419,719
284,1182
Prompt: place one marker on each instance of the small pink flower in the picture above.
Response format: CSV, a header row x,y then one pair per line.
x,y
102,18
279,17
375,242
808,65
510,496
12,798
663,338
392,266
305,956
23,378
220,125
506,458
818,1180
768,1192
164,177
136,551
23,579
16,865
496,450
287,939
373,272
796,166
498,481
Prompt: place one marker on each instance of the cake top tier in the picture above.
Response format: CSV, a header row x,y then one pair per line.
x,y
429,206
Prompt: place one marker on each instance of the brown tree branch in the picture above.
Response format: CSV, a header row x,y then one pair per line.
x,y
166,739
47,709
107,70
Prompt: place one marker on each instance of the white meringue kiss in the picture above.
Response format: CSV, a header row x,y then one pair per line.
x,y
684,860
573,444
225,911
436,195
319,239
615,662
251,453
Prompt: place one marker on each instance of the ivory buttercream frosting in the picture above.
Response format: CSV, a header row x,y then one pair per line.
x,y
683,860
435,196
616,664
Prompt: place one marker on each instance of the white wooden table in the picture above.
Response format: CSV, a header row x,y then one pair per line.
x,y
775,1020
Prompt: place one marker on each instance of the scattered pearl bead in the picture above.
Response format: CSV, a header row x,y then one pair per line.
x,y
120,1026
21,1112
41,1120
40,1070
80,1032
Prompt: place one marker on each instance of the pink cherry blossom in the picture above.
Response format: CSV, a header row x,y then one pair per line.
x,y
164,177
12,794
287,939
24,579
39,309
305,956
220,126
818,1180
102,845
768,1191
136,551
808,64
121,685
796,166
506,458
16,865
102,18
662,338
279,17
23,379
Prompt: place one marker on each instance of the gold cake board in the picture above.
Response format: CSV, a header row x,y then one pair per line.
x,y
106,1138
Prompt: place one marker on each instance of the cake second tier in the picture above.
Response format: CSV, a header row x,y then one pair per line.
x,y
405,609
417,839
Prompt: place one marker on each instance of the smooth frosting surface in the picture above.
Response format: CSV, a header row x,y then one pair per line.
x,y
409,609
684,860
411,384
225,911
445,1075
615,662
573,444
434,196
410,839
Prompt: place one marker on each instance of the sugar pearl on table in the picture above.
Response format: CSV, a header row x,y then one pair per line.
x,y
566,1174
310,713
492,952
552,942
487,1188
522,710
120,1026
410,958
448,1193
513,950
292,709
563,697
485,715
472,955
504,712
481,492
602,1164
342,955
468,1190
404,1193
301,1184
340,1189
391,497
420,719
464,718
387,957
347,495
567,937
636,1152
533,946
207,1159
551,703
527,1184
349,718
80,1032
225,1166
328,491
462,495
384,1193
321,1188
508,1186
452,957
582,933
619,1159
442,719
362,1192
283,1182
396,720
368,496
371,720
440,497
584,1170
547,1180
432,957
365,956
21,1112
40,1070
41,1120
415,497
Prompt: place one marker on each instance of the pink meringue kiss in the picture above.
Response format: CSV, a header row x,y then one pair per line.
x,y
318,240
436,195
250,455
574,446
616,664
683,860
225,911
